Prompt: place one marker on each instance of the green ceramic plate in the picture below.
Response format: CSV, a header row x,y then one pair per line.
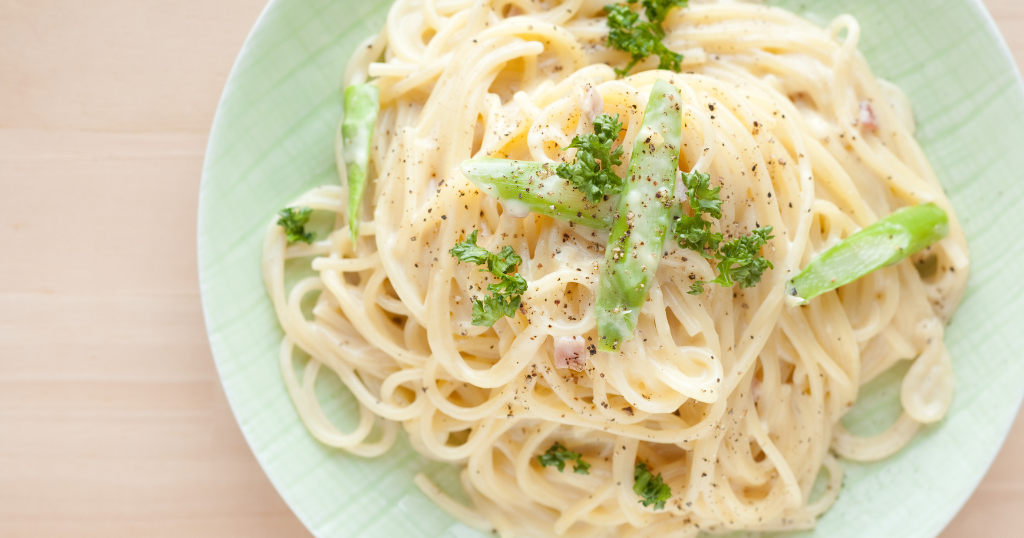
x,y
272,140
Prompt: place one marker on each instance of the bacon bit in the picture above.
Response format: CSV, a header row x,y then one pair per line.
x,y
570,352
867,117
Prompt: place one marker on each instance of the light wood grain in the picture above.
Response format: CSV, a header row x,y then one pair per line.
x,y
112,420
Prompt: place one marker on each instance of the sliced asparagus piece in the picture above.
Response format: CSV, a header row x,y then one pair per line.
x,y
643,218
362,102
886,242
529,187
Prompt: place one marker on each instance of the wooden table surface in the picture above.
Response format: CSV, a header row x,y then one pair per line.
x,y
112,419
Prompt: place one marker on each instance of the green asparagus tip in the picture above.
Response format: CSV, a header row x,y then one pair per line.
x,y
884,243
362,102
644,217
525,187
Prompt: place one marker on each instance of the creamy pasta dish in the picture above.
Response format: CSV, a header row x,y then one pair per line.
x,y
625,265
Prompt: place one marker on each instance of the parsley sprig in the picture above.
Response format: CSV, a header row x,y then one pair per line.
x,y
701,197
651,489
740,260
506,294
694,232
293,220
639,38
592,172
558,455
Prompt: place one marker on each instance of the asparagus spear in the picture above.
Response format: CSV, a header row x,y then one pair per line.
x,y
529,187
886,242
362,102
634,247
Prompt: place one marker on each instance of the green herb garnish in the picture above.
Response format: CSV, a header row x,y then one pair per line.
x,y
557,455
694,232
652,489
700,195
740,260
657,10
591,172
640,39
506,294
293,220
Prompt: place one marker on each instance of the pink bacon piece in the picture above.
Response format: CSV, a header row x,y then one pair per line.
x,y
867,117
570,352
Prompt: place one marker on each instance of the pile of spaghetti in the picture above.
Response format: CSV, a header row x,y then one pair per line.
x,y
475,319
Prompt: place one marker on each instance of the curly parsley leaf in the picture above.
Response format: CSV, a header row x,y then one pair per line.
x,y
469,251
592,172
504,262
510,284
657,10
695,233
490,309
740,261
506,294
640,39
293,220
652,489
700,195
558,455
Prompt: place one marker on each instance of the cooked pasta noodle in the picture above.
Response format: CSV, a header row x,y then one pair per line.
x,y
733,396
